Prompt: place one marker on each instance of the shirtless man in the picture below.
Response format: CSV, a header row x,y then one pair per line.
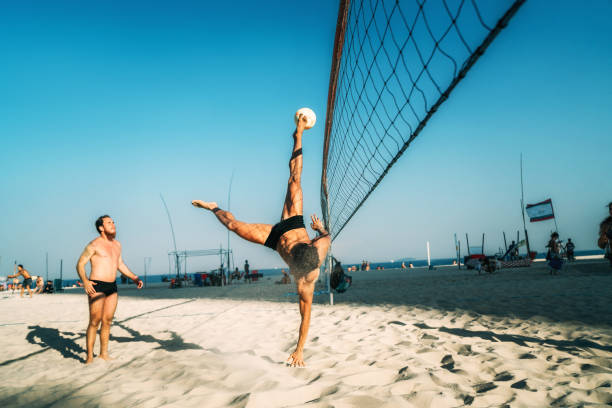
x,y
104,253
605,235
290,238
27,279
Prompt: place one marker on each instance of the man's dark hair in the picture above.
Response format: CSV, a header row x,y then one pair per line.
x,y
305,257
20,266
100,221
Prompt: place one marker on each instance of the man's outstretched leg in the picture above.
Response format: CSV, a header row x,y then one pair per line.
x,y
257,233
294,200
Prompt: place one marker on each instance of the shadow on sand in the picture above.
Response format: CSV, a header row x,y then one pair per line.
x,y
50,338
568,346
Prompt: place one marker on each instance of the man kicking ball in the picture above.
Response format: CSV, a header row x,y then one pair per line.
x,y
289,237
27,279
104,253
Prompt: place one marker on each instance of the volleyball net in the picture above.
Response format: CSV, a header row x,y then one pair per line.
x,y
394,63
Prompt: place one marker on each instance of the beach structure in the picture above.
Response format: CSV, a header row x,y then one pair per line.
x,y
177,260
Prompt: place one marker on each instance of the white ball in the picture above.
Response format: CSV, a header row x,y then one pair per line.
x,y
310,116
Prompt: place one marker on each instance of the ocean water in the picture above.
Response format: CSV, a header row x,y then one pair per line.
x,y
387,265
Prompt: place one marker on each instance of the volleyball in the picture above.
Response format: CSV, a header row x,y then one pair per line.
x,y
310,116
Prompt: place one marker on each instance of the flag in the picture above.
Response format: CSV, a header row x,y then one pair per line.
x,y
540,211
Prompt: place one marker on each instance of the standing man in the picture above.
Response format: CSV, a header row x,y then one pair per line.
x,y
27,279
104,253
605,235
247,272
289,238
569,248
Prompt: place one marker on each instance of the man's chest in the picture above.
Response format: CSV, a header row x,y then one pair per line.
x,y
108,251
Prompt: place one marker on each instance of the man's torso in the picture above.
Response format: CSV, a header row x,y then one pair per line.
x,y
105,261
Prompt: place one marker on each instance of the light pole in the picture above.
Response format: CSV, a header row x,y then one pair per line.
x,y
176,257
229,192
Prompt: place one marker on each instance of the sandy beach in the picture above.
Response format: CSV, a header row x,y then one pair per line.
x,y
412,338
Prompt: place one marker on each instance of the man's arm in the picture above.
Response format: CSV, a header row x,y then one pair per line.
x,y
305,291
125,271
15,274
323,241
85,257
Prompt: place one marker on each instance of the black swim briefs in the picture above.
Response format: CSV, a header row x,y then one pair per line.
x,y
27,283
108,288
279,229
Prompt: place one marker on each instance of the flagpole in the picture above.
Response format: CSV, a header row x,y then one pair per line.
x,y
554,217
523,210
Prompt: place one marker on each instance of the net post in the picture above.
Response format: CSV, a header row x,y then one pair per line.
x,y
328,262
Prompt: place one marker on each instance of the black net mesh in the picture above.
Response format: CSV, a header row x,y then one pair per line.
x,y
397,61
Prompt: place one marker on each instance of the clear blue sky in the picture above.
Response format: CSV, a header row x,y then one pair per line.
x,y
103,106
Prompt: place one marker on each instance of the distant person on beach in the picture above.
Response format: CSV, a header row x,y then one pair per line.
x,y
569,249
554,254
605,235
39,285
104,253
48,287
247,272
235,275
285,279
513,252
289,238
339,281
27,279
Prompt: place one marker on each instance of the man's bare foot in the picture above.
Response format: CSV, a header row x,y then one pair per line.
x,y
205,205
89,360
105,357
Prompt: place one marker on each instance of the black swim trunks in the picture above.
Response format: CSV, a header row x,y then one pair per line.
x,y
27,283
108,288
279,229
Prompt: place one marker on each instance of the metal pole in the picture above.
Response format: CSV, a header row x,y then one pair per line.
x,y
61,274
229,192
482,247
326,219
428,256
554,217
457,250
47,266
467,241
221,263
459,262
178,268
328,279
523,211
505,242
